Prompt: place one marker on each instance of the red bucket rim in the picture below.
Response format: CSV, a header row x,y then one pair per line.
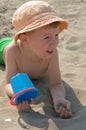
x,y
12,101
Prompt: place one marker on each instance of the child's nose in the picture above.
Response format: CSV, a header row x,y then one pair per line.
x,y
55,41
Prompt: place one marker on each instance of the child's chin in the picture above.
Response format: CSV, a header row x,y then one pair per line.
x,y
47,55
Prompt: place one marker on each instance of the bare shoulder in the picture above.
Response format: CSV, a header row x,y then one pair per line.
x,y
10,56
11,47
10,51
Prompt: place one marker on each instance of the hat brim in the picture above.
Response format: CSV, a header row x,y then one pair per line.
x,y
42,21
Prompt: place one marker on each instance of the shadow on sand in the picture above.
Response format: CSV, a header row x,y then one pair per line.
x,y
42,115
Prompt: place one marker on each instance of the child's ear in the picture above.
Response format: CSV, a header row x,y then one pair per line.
x,y
22,38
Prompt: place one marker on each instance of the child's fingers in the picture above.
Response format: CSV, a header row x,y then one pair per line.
x,y
24,105
19,106
32,101
63,111
68,105
66,114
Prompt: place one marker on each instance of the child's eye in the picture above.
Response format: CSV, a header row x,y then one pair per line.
x,y
46,37
56,35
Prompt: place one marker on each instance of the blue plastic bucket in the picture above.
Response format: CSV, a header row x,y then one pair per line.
x,y
23,88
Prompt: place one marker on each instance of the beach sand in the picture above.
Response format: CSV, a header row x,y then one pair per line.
x,y
72,56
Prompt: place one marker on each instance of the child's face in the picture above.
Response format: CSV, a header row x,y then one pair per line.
x,y
43,41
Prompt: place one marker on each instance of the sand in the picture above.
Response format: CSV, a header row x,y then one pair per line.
x,y
72,56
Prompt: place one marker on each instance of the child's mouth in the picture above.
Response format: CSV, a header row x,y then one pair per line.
x,y
50,52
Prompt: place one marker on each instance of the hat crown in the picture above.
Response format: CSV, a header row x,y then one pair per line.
x,y
30,9
33,15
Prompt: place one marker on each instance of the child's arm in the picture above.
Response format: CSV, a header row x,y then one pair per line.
x,y
11,70
9,91
61,105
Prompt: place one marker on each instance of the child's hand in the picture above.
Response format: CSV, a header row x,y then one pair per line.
x,y
63,108
24,105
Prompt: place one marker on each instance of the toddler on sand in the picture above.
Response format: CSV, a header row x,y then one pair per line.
x,y
33,51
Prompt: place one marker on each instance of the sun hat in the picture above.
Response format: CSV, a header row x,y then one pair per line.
x,y
33,15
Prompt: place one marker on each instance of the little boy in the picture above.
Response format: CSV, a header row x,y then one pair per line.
x,y
33,51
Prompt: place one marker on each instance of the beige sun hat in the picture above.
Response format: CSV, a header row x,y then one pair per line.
x,y
33,15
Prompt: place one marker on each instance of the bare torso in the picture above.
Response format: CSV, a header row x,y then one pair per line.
x,y
35,68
